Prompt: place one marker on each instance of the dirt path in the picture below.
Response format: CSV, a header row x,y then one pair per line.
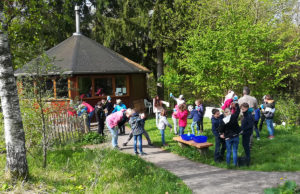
x,y
202,178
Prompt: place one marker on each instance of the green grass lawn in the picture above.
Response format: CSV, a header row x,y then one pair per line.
x,y
280,154
77,170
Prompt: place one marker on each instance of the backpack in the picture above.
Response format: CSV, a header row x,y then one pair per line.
x,y
242,161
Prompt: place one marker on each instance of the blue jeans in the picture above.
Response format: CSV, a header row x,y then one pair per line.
x,y
219,151
90,116
114,135
232,146
162,132
139,137
181,130
193,125
270,126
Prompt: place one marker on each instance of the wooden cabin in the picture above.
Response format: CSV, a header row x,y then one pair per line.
x,y
92,72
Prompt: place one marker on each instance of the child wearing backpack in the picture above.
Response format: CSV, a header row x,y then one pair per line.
x,y
137,123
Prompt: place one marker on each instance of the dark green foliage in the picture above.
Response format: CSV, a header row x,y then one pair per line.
x,y
289,187
93,138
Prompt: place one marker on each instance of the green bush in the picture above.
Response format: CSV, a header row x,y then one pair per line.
x,y
287,110
289,187
92,138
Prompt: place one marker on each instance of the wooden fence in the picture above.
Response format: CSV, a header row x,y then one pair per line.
x,y
65,128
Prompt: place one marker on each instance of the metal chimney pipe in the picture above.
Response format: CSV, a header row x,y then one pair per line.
x,y
77,21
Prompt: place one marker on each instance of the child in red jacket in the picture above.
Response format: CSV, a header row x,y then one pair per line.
x,y
182,115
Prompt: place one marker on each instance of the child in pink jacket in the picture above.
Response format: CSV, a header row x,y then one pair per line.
x,y
112,122
182,115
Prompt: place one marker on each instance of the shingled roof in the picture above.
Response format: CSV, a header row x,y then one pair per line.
x,y
82,55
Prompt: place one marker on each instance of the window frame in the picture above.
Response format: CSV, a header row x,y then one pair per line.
x,y
113,77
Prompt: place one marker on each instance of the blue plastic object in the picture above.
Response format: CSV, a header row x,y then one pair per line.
x,y
200,139
187,137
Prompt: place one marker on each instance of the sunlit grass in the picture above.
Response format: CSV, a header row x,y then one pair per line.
x,y
279,154
77,170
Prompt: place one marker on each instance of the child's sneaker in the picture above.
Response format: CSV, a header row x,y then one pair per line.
x,y
258,139
271,137
136,153
143,154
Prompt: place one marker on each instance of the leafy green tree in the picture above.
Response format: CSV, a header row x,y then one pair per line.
x,y
143,30
234,48
16,161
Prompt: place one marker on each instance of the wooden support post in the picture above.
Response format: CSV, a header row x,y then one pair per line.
x,y
182,145
203,151
54,88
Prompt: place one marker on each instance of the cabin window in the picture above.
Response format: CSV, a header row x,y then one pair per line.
x,y
46,86
85,87
62,88
103,86
121,86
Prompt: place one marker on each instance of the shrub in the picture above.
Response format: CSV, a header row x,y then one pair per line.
x,y
287,110
93,138
289,187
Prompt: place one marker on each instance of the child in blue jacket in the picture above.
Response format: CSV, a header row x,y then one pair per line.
x,y
197,116
220,144
194,114
256,119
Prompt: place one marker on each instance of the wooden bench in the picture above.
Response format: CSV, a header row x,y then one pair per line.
x,y
202,147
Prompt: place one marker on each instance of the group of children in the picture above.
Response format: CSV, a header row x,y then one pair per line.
x,y
226,128
179,116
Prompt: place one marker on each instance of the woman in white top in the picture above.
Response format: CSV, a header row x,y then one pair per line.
x,y
158,107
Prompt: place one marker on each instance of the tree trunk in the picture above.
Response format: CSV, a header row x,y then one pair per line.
x,y
16,162
45,139
160,72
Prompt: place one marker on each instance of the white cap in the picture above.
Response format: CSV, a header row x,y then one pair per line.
x,y
181,96
118,101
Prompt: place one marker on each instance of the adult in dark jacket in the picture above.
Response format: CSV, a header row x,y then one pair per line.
x,y
109,106
268,109
247,129
230,129
100,117
216,120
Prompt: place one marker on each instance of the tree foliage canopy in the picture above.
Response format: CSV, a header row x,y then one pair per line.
x,y
239,43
